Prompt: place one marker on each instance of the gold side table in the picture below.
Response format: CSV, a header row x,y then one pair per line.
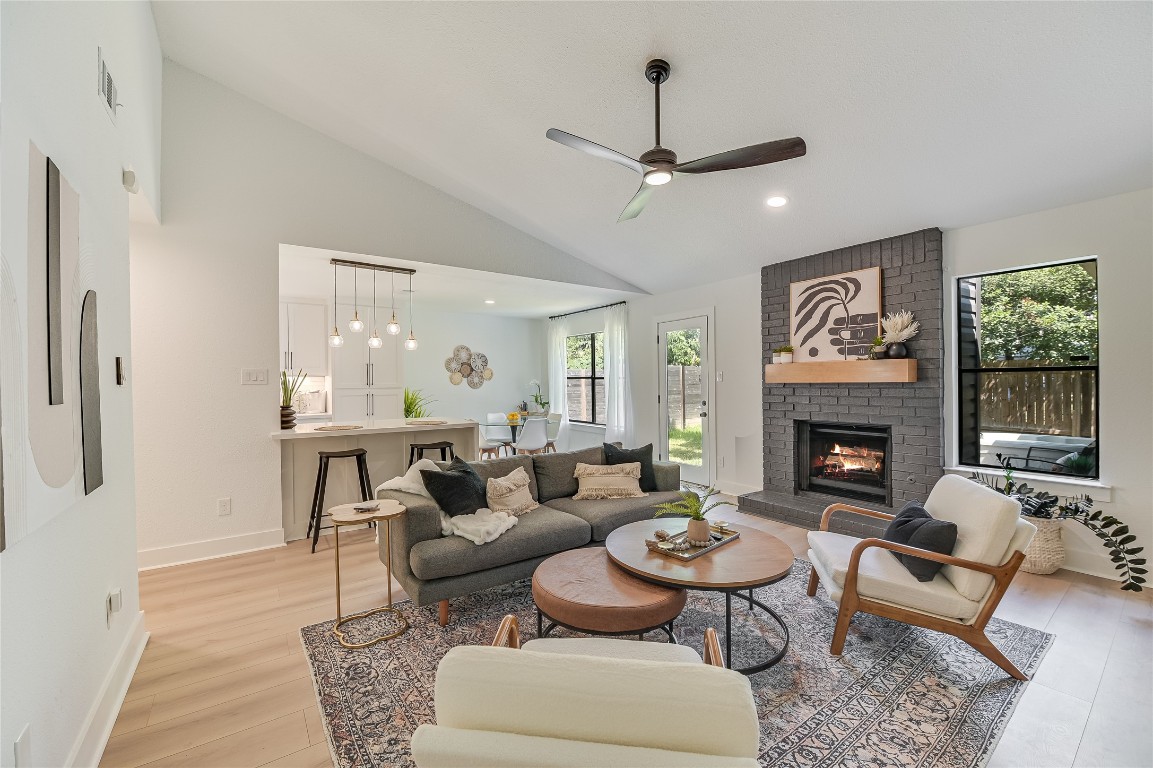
x,y
345,515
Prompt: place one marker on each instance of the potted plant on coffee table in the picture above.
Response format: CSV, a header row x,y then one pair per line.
x,y
288,390
694,507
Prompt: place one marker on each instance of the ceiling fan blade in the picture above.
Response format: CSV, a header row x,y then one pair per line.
x,y
746,157
596,150
637,204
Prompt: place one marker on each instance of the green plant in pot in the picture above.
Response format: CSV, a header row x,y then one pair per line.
x,y
538,398
1047,511
694,507
877,348
289,387
783,354
416,404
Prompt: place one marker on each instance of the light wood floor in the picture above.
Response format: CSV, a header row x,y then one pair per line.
x,y
224,683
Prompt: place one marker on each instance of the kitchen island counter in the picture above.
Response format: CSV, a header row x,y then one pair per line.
x,y
374,427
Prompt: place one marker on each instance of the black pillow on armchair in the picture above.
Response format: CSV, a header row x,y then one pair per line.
x,y
915,527
643,455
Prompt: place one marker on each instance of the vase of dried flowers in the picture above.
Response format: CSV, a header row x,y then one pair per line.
x,y
899,327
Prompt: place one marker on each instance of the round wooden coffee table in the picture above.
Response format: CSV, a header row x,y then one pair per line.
x,y
756,559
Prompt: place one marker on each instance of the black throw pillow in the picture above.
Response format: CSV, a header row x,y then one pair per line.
x,y
458,490
644,455
915,527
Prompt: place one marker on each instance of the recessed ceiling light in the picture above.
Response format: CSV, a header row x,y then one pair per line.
x,y
489,301
776,201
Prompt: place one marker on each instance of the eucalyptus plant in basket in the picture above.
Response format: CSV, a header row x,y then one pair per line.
x,y
1045,508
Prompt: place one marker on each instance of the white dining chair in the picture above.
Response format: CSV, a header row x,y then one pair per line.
x,y
500,436
553,432
533,437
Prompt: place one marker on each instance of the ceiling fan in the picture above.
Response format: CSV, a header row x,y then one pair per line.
x,y
659,165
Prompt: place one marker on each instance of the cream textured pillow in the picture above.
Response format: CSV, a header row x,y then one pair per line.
x,y
510,494
608,481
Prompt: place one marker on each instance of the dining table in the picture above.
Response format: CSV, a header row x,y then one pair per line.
x,y
512,425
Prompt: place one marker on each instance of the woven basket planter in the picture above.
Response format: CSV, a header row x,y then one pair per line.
x,y
1046,552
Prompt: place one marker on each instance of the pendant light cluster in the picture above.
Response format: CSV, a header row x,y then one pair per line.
x,y
356,325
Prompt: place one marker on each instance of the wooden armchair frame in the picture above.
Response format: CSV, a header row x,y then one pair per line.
x,y
508,636
973,634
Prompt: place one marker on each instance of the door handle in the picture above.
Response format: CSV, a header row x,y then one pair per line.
x,y
290,361
372,410
704,414
372,375
366,405
367,383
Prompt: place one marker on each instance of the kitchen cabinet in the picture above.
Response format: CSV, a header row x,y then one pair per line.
x,y
366,404
357,366
304,337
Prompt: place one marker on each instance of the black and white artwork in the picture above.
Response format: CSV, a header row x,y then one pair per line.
x,y
835,317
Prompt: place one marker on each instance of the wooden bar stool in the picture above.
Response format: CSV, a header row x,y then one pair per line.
x,y
416,451
314,518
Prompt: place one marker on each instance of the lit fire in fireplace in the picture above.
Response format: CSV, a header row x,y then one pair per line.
x,y
854,459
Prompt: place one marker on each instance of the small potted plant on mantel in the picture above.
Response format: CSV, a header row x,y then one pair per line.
x,y
695,508
783,354
288,389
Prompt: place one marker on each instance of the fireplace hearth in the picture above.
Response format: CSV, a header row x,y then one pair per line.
x,y
849,460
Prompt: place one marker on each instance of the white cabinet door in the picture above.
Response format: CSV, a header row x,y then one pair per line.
x,y
351,405
385,371
366,404
350,362
309,338
386,403
285,344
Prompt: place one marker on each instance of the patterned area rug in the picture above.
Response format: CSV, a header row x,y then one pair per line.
x,y
899,696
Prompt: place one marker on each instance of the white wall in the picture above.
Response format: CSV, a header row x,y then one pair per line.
x,y
515,351
239,179
1119,231
64,670
735,407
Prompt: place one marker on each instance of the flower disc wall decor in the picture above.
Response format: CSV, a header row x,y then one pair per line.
x,y
466,365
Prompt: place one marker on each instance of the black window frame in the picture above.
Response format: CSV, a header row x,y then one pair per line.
x,y
593,377
972,392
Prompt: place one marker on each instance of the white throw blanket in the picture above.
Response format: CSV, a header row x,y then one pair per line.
x,y
480,527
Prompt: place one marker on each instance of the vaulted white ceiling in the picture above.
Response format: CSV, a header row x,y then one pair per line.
x,y
915,114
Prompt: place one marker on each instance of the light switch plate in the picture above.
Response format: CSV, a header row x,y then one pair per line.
x,y
254,376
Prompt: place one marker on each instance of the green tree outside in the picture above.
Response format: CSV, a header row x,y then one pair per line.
x,y
1047,314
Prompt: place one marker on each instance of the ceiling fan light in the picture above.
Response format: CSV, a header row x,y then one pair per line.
x,y
776,201
658,176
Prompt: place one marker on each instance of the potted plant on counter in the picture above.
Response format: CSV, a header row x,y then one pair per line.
x,y
416,404
695,508
288,389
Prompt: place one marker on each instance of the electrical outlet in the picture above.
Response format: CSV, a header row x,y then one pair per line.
x,y
22,748
224,507
254,376
112,604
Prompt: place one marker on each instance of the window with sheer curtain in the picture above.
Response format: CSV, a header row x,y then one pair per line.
x,y
584,378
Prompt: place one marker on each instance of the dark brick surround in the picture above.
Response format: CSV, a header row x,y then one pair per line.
x,y
911,279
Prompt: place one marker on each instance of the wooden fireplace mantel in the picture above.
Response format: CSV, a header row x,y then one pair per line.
x,y
843,372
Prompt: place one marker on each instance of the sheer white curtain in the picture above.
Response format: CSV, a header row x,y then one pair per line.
x,y
619,421
557,376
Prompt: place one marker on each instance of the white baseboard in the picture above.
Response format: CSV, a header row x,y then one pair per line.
x,y
161,557
101,718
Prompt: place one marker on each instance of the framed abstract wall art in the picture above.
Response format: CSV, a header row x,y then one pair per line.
x,y
835,317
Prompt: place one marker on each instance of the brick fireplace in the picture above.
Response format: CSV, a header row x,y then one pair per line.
x,y
892,450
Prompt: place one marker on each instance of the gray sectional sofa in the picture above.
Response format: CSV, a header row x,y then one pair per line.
x,y
434,568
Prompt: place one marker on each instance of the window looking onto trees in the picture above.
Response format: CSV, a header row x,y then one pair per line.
x,y
1028,376
585,385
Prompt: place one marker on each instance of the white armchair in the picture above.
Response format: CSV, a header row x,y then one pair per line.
x,y
561,702
863,575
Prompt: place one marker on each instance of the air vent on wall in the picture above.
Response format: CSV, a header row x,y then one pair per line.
x,y
107,87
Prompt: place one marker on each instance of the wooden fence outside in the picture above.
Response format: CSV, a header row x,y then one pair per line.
x,y
1040,402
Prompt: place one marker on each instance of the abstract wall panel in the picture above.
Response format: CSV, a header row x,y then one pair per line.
x,y
52,402
90,395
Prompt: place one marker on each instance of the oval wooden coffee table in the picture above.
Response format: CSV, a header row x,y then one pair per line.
x,y
756,559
